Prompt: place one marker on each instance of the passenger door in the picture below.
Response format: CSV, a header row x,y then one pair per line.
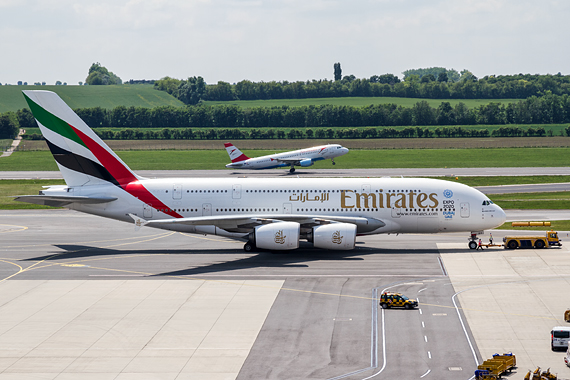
x,y
176,191
464,209
236,192
147,211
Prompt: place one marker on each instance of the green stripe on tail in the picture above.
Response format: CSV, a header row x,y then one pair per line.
x,y
52,122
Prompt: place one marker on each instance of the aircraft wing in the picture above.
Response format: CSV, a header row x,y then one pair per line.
x,y
61,200
246,223
294,161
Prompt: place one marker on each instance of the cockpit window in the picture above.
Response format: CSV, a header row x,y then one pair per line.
x,y
487,202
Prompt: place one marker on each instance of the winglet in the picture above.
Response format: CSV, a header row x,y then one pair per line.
x,y
139,222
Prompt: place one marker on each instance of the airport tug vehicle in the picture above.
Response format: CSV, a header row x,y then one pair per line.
x,y
389,299
546,241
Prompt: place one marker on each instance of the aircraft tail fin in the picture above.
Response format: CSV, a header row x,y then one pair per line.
x,y
82,157
235,154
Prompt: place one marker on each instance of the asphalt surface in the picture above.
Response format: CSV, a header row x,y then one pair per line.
x,y
324,322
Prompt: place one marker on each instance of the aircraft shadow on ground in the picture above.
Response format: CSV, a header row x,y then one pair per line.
x,y
259,259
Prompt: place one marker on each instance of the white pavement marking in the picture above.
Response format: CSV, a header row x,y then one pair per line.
x,y
130,328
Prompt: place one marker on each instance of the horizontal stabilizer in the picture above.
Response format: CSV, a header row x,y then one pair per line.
x,y
139,222
61,200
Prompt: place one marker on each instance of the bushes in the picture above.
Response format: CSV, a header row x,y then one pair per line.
x,y
308,133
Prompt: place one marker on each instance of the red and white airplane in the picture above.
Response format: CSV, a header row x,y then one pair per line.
x,y
302,157
267,213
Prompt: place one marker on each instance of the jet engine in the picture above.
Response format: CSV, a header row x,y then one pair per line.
x,y
278,236
306,162
334,236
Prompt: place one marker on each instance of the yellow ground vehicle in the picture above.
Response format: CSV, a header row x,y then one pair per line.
x,y
389,299
549,240
494,368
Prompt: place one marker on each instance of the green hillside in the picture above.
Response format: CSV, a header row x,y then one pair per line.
x,y
11,98
357,102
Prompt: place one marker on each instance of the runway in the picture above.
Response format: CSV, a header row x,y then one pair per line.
x,y
83,297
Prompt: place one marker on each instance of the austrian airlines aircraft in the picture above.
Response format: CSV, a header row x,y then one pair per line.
x,y
272,214
302,157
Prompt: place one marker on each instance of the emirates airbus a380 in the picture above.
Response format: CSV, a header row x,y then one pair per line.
x,y
302,157
270,214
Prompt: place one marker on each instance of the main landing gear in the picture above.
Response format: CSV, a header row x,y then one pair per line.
x,y
249,247
292,170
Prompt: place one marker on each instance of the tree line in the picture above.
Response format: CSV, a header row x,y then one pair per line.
x,y
427,86
548,109
310,133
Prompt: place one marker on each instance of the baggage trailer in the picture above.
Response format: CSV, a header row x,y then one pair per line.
x,y
549,240
494,368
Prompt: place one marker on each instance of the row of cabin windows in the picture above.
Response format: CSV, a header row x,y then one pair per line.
x,y
205,191
274,209
297,191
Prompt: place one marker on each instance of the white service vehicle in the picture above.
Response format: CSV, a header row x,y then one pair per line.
x,y
559,337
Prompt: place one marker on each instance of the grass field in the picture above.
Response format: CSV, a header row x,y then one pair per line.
x,y
357,102
9,188
275,145
11,98
507,180
401,158
533,201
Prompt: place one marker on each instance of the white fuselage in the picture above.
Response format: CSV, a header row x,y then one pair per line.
x,y
309,155
404,205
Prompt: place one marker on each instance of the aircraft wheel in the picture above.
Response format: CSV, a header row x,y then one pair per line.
x,y
248,247
334,163
512,244
472,245
292,170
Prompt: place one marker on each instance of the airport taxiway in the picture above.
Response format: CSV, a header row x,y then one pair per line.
x,y
83,297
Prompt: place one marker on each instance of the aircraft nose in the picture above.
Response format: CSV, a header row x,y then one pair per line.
x,y
502,216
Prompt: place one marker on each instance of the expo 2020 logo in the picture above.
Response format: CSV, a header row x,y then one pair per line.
x,y
447,193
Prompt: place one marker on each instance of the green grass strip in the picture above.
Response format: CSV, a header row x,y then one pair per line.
x,y
12,187
366,159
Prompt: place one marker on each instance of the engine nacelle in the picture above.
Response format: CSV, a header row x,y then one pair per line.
x,y
306,162
334,236
278,236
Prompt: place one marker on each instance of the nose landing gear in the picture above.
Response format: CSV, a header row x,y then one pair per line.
x,y
474,240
